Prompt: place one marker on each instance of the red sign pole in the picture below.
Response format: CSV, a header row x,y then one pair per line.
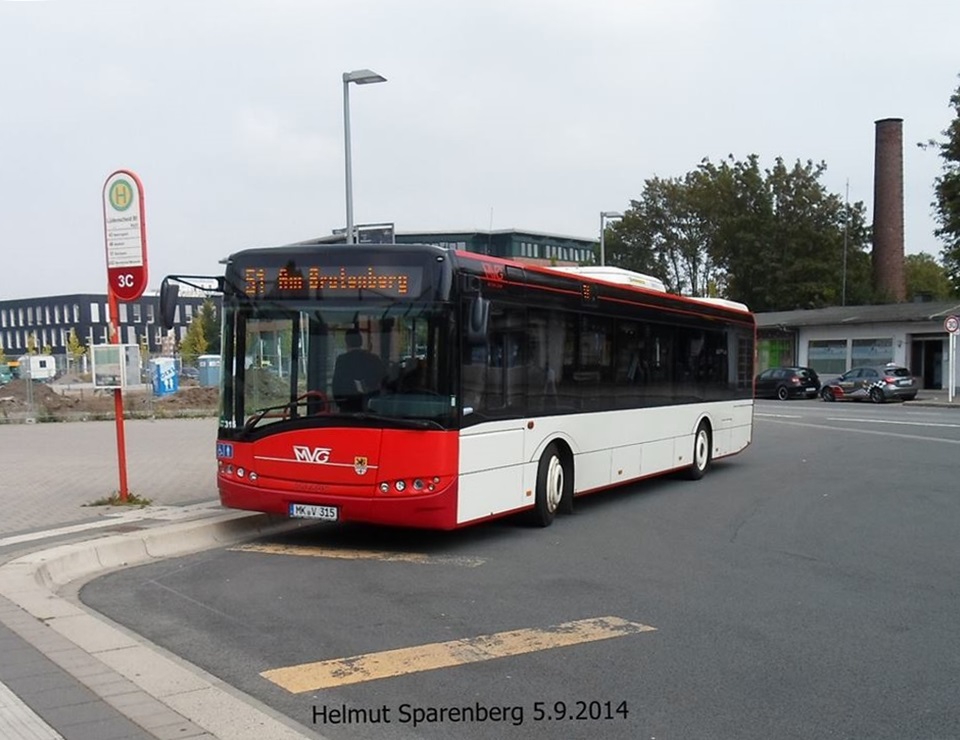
x,y
125,234
118,400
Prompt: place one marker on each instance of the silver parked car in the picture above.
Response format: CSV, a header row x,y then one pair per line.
x,y
877,384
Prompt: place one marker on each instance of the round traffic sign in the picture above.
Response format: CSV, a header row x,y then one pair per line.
x,y
952,324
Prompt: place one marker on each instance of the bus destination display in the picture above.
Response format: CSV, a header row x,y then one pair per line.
x,y
393,281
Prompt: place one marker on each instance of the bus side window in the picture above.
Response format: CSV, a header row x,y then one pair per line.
x,y
495,379
545,348
630,369
475,359
595,364
474,376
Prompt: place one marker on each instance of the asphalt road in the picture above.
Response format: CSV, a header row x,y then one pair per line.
x,y
804,589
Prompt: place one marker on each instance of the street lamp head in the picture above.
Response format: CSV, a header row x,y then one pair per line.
x,y
611,214
363,77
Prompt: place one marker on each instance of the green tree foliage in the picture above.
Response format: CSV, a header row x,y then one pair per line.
x,y
946,190
3,356
194,343
32,343
774,239
144,352
211,326
75,348
667,233
927,277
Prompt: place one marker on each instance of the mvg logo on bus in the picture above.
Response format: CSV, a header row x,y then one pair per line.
x,y
493,273
318,455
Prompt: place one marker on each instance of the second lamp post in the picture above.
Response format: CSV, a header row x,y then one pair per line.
x,y
360,77
604,215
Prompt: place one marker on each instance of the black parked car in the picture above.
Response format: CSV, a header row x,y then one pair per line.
x,y
787,382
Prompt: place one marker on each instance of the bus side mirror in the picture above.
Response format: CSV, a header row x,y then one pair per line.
x,y
478,313
169,293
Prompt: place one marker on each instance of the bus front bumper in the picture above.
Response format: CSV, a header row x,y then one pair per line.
x,y
435,510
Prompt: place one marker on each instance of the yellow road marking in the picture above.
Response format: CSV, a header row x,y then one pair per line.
x,y
330,552
327,674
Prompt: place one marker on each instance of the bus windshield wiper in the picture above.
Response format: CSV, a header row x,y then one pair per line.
x,y
260,413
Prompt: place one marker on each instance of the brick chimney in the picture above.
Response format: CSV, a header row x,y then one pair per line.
x,y
888,278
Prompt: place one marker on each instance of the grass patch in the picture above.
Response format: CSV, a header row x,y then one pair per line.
x,y
114,500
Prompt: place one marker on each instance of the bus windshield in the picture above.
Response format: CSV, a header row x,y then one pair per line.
x,y
369,363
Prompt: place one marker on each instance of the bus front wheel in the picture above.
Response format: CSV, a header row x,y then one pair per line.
x,y
554,483
701,452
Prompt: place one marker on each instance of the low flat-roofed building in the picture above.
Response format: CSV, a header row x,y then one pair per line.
x,y
832,340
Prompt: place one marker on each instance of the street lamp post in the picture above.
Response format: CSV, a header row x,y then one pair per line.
x,y
360,77
604,215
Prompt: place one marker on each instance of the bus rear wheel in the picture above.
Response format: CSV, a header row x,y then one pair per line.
x,y
701,452
554,483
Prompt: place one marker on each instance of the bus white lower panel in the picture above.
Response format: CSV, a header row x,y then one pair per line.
x,y
658,456
592,469
621,464
491,472
626,463
499,459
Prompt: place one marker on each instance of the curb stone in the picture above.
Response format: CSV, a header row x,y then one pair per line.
x,y
155,689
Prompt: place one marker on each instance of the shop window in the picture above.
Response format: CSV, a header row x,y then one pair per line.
x,y
872,351
827,356
775,353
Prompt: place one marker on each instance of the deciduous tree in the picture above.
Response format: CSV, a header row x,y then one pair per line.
x,y
75,348
946,202
211,326
194,343
926,277
774,239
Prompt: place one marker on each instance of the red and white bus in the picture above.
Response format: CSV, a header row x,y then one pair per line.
x,y
488,387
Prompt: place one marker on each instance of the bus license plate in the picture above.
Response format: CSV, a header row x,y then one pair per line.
x,y
310,511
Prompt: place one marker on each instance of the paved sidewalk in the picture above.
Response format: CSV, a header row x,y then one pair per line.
x,y
50,472
937,398
67,672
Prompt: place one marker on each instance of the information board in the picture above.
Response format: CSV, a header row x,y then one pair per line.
x,y
125,235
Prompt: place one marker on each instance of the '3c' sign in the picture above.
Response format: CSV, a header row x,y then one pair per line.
x,y
125,233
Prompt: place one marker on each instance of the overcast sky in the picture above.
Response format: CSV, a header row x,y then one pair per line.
x,y
524,114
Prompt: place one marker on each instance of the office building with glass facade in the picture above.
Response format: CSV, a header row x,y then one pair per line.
x,y
525,246
45,323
